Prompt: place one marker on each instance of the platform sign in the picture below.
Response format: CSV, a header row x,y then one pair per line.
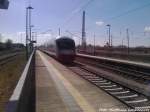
x,y
4,4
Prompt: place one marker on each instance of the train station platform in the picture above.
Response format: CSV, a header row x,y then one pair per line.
x,y
58,89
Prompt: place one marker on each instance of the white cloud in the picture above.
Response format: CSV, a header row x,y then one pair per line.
x,y
99,23
147,29
20,33
13,36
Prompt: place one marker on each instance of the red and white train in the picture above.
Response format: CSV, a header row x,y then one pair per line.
x,y
63,49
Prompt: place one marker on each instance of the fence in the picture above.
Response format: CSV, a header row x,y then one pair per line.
x,y
23,97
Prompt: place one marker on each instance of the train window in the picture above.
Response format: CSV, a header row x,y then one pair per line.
x,y
65,44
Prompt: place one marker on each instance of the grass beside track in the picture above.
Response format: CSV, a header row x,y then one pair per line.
x,y
9,76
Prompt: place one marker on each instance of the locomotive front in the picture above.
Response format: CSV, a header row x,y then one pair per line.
x,y
65,49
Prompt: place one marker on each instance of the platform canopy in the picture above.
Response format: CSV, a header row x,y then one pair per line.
x,y
4,4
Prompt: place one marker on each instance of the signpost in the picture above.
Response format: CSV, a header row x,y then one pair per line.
x,y
4,4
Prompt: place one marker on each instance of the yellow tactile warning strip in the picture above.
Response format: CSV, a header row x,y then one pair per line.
x,y
74,93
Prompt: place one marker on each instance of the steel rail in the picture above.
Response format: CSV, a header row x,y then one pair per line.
x,y
124,70
129,97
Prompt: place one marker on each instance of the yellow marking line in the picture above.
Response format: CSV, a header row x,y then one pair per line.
x,y
80,100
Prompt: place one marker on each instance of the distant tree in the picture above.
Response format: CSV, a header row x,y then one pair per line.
x,y
8,43
1,37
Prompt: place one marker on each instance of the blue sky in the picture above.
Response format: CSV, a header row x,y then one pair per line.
x,y
67,14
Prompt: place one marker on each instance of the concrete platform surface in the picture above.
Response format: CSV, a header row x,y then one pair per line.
x,y
60,90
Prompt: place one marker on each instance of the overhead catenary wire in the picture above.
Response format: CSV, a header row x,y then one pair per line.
x,y
125,13
107,19
75,11
130,11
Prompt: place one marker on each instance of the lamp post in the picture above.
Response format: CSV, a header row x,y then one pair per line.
x,y
30,27
31,32
28,30
27,33
109,38
128,39
31,42
94,45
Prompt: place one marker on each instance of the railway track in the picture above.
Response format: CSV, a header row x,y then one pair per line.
x,y
130,97
131,73
139,76
7,58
